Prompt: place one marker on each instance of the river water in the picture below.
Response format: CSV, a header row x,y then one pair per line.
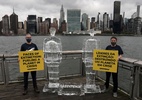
x,y
131,45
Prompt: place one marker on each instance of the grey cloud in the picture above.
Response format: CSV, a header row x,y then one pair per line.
x,y
51,8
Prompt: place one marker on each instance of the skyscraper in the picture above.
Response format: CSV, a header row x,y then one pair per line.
x,y
84,21
138,10
137,22
55,24
105,21
25,27
20,28
14,23
64,26
39,21
31,24
98,20
62,16
88,24
73,20
116,18
92,24
48,21
5,25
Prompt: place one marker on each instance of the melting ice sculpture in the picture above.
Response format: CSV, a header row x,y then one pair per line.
x,y
52,48
89,45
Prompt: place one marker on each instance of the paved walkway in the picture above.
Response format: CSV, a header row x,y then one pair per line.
x,y
14,92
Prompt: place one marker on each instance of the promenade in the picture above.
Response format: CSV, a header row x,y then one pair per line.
x,y
14,91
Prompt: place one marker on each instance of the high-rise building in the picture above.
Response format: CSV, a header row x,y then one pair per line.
x,y
138,22
84,21
138,10
39,21
130,26
73,20
25,26
49,22
105,21
62,16
92,24
5,25
88,24
20,25
116,18
64,26
21,28
134,25
14,23
55,24
0,27
98,20
44,29
110,24
31,24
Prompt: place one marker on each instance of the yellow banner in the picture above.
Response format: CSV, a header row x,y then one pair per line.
x,y
105,60
31,60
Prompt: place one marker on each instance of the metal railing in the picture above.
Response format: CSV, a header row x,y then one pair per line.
x,y
9,67
130,71
133,66
130,77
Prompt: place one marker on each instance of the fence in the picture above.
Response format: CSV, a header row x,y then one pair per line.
x,y
9,67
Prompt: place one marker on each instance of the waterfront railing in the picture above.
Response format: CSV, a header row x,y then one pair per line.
x,y
129,73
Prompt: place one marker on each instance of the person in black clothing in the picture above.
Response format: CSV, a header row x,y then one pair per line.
x,y
113,46
29,46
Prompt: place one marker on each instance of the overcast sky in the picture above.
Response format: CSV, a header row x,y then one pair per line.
x,y
51,8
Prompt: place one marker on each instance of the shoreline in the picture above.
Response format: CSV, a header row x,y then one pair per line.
x,y
77,35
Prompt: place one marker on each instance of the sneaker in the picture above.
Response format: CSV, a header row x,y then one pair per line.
x,y
115,94
36,90
25,92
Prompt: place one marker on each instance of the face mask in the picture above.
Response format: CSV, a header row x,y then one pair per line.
x,y
29,40
113,43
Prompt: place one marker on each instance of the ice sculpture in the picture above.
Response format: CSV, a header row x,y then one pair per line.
x,y
89,45
52,48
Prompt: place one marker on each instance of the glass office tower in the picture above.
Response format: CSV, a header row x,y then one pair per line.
x,y
31,24
73,20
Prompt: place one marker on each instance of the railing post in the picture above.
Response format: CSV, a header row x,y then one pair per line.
x,y
137,86
6,70
134,82
3,70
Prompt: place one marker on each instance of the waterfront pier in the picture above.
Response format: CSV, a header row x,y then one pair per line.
x,y
11,80
14,91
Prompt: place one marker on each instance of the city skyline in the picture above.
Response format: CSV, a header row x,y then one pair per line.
x,y
51,9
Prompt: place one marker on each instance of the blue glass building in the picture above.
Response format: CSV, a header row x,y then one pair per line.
x,y
31,24
73,20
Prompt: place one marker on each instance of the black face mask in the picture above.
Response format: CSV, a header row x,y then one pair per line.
x,y
113,43
29,40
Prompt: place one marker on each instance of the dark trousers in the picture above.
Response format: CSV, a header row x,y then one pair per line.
x,y
33,74
115,80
